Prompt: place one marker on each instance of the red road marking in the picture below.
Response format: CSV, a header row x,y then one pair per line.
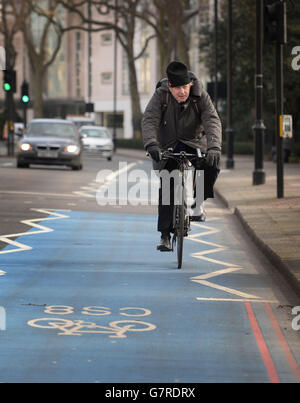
x,y
285,347
269,364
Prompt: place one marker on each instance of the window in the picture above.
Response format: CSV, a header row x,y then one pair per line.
x,y
109,119
106,39
106,78
125,74
143,63
78,57
52,128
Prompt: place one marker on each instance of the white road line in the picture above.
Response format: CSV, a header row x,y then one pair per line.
x,y
225,289
202,279
271,301
83,194
32,223
16,192
90,188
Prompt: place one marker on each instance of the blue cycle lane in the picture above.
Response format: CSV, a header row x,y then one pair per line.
x,y
87,298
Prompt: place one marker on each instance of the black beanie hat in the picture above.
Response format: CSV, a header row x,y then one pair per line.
x,y
178,74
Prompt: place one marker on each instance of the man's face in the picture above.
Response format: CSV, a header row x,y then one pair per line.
x,y
181,93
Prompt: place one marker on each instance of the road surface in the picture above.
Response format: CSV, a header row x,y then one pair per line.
x,y
85,296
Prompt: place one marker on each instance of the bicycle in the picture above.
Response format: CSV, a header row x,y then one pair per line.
x,y
115,329
181,214
181,218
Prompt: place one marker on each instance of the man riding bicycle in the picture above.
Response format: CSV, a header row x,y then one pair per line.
x,y
180,115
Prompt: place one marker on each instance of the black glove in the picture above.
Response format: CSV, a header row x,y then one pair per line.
x,y
213,157
154,152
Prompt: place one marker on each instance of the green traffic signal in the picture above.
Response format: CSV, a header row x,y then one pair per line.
x,y
25,99
7,87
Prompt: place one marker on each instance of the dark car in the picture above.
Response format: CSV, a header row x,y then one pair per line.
x,y
50,142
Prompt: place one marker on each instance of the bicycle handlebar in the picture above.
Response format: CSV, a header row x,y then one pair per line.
x,y
181,155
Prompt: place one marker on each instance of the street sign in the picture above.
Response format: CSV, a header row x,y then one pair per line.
x,y
286,126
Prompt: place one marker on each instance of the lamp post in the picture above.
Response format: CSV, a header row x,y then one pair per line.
x,y
280,41
229,130
25,100
115,77
259,127
276,33
89,52
216,56
9,84
279,111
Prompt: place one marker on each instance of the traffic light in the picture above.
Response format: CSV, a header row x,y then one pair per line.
x,y
9,81
25,92
275,21
89,107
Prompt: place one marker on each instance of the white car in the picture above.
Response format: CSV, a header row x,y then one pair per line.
x,y
97,140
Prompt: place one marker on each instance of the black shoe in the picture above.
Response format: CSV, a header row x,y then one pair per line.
x,y
201,217
164,245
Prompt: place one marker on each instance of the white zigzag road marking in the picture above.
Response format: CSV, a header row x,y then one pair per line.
x,y
218,248
202,279
40,230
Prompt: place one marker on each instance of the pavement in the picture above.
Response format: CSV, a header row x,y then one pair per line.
x,y
273,223
3,150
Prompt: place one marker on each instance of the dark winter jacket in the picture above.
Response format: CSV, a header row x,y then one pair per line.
x,y
181,123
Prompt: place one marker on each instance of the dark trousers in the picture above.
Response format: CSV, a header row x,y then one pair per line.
x,y
165,212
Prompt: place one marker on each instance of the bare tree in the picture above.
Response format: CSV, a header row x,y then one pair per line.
x,y
28,12
126,12
9,26
168,20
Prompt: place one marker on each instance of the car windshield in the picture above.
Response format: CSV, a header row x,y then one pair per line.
x,y
95,133
51,129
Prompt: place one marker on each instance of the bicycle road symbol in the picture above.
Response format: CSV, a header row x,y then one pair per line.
x,y
67,327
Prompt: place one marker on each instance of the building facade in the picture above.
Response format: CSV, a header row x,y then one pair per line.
x,y
87,69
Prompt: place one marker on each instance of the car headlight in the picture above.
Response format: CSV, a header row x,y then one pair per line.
x,y
25,147
72,149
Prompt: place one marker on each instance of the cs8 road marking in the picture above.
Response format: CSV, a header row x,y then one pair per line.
x,y
115,329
